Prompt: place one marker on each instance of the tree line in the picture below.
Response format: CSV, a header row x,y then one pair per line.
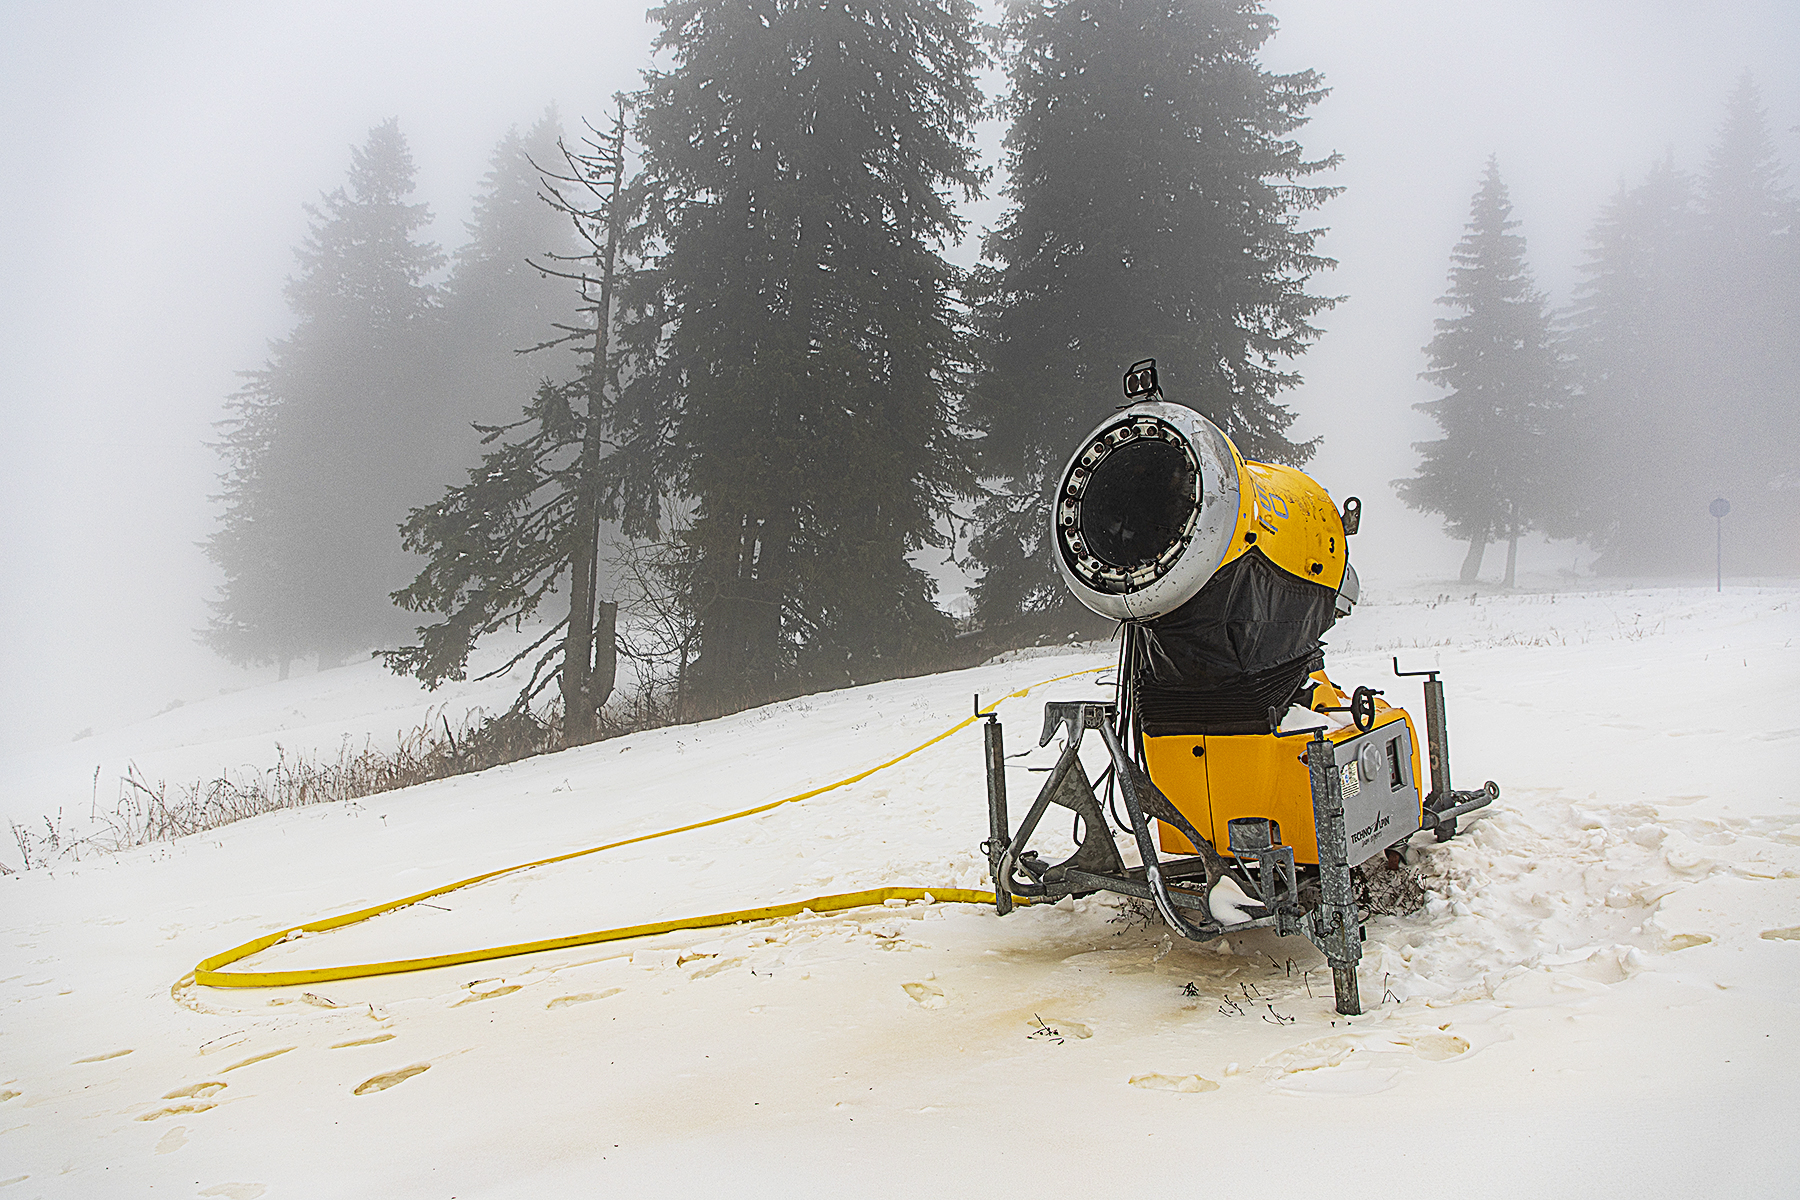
x,y
366,408
707,362
781,391
1670,381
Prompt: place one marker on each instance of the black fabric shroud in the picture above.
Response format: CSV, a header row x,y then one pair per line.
x,y
1243,644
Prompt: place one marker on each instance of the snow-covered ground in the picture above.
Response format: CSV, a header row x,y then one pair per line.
x,y
1601,998
241,731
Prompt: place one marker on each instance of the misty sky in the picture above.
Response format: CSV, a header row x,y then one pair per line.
x,y
154,159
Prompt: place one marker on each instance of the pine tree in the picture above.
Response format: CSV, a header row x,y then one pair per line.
x,y
1498,360
258,616
1628,341
1156,200
528,520
317,452
1746,290
501,299
1743,203
1682,335
797,340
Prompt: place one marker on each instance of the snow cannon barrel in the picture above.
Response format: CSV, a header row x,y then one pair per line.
x,y
1232,569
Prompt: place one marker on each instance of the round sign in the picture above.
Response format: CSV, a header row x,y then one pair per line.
x,y
1719,507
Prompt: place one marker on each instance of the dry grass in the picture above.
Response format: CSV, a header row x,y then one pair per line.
x,y
153,812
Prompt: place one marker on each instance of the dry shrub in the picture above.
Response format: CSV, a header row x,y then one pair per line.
x,y
147,812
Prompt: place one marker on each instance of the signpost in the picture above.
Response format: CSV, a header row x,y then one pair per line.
x,y
1718,508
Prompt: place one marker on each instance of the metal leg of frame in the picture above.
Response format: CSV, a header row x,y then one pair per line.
x,y
1335,926
1437,745
999,832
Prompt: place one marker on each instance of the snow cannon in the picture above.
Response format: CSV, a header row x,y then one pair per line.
x,y
1250,789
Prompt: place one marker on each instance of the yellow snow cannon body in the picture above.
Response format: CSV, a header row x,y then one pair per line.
x,y
1231,750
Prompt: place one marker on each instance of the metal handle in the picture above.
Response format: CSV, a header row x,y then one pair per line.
x,y
1362,708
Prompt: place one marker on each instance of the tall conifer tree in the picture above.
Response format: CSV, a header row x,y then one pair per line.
x,y
318,450
1746,289
1682,333
796,343
500,301
1156,211
1498,360
528,520
1628,341
259,614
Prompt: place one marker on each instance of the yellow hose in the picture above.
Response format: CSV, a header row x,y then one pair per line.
x,y
209,971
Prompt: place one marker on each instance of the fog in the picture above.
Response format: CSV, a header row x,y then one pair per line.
x,y
156,160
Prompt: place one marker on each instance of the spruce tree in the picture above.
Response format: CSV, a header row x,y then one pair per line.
x,y
528,520
1746,290
796,343
1498,360
318,451
258,616
501,299
1682,336
1156,203
1633,362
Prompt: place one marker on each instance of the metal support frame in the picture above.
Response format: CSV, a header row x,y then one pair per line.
x,y
998,834
1181,887
1334,927
1277,876
1444,804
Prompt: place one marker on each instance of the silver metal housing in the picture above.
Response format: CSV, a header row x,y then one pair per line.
x,y
1349,591
1171,580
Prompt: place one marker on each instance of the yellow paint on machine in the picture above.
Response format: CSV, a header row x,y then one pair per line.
x,y
1214,779
1293,521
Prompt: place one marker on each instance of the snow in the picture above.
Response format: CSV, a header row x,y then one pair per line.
x,y
1227,903
1600,996
311,715
1297,718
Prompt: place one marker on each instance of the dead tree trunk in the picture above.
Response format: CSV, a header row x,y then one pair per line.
x,y
606,653
587,676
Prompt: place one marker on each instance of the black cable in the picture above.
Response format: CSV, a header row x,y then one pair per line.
x,y
1112,808
1122,698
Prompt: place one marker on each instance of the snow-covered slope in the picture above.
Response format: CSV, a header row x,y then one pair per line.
x,y
1600,998
312,716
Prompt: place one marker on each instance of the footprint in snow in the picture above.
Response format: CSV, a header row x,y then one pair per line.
x,y
582,998
1791,934
380,1083
508,990
1321,1055
196,1091
926,995
1056,1029
176,1110
1438,1047
94,1058
1315,1055
1173,1083
236,1191
173,1140
256,1058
